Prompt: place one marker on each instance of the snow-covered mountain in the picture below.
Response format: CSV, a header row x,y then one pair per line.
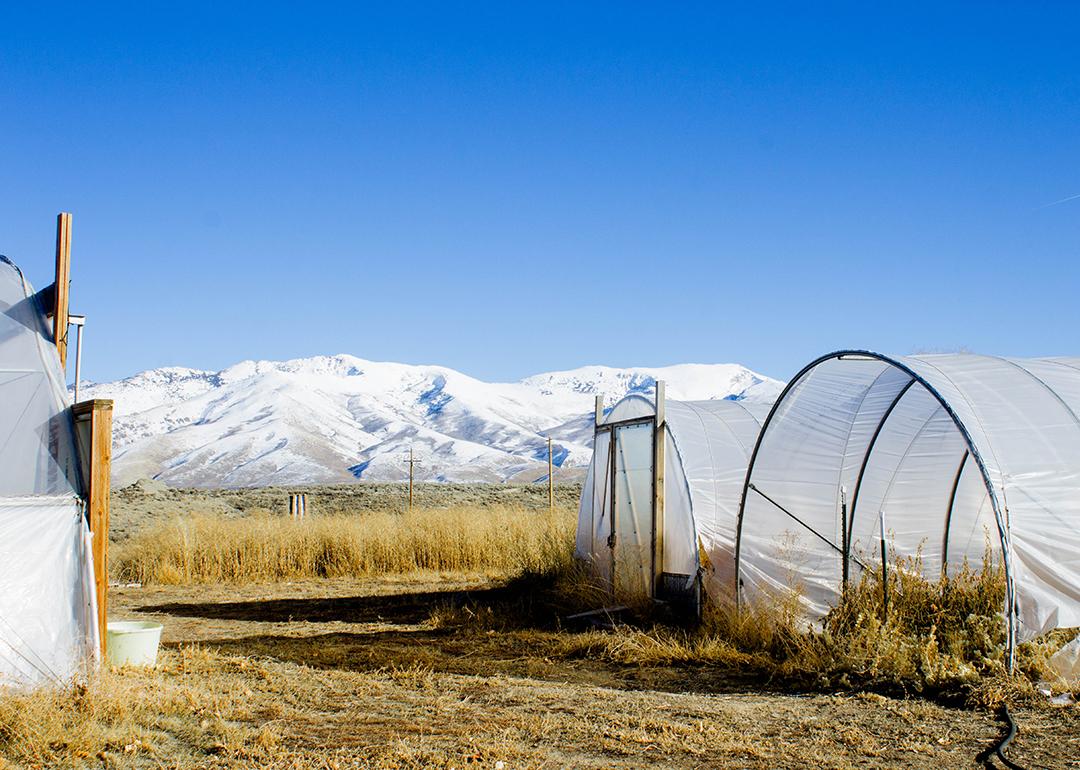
x,y
340,418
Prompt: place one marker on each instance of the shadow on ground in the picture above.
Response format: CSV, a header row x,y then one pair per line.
x,y
527,640
533,655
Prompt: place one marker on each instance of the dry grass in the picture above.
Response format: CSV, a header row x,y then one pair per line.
x,y
920,635
205,709
130,714
321,683
944,639
381,674
937,638
204,549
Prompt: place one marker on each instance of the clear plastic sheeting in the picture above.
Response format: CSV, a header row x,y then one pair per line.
x,y
707,447
713,440
593,531
632,545
48,620
47,598
37,447
956,453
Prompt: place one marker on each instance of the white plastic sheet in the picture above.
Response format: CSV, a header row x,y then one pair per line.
x,y
37,447
48,621
960,452
708,444
47,613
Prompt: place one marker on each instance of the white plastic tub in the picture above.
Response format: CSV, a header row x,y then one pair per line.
x,y
132,643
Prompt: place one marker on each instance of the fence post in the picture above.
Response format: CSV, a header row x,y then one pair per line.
x,y
93,423
551,480
298,506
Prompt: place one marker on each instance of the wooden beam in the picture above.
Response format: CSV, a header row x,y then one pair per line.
x,y
659,458
599,409
93,420
62,285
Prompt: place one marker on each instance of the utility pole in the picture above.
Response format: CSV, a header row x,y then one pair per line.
x,y
411,462
551,480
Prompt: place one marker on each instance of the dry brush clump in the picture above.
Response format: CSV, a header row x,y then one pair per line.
x,y
204,549
906,633
944,638
188,705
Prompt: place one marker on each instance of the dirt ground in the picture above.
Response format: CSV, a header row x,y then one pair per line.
x,y
385,673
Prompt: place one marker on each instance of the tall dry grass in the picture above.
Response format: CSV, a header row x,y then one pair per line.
x,y
204,549
936,637
911,634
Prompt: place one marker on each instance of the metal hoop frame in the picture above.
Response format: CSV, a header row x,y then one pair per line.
x,y
1000,512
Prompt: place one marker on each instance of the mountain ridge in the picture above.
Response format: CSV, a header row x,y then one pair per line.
x,y
328,419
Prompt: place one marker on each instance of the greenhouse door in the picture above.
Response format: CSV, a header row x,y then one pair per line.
x,y
633,508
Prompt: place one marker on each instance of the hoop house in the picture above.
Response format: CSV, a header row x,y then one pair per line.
x,y
48,626
658,509
941,454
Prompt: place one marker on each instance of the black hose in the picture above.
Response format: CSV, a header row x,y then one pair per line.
x,y
998,749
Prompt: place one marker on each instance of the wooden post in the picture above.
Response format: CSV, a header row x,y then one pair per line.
x,y
411,462
659,447
551,480
599,409
93,420
62,285
298,506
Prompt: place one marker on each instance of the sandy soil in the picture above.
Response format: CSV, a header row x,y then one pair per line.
x,y
358,673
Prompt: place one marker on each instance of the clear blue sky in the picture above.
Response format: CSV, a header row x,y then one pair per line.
x,y
512,191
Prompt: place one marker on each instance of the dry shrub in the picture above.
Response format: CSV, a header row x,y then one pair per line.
x,y
130,715
202,549
944,638
934,636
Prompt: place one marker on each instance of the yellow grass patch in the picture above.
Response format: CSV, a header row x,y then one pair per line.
x,y
202,549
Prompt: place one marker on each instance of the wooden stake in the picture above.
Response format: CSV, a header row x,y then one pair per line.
x,y
93,419
62,285
298,506
659,458
551,480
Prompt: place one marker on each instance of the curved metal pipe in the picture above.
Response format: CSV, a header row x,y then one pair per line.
x,y
999,513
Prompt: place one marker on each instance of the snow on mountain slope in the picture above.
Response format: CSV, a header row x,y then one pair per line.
x,y
341,418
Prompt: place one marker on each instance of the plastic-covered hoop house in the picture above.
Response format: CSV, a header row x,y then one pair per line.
x,y
48,615
657,517
947,454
